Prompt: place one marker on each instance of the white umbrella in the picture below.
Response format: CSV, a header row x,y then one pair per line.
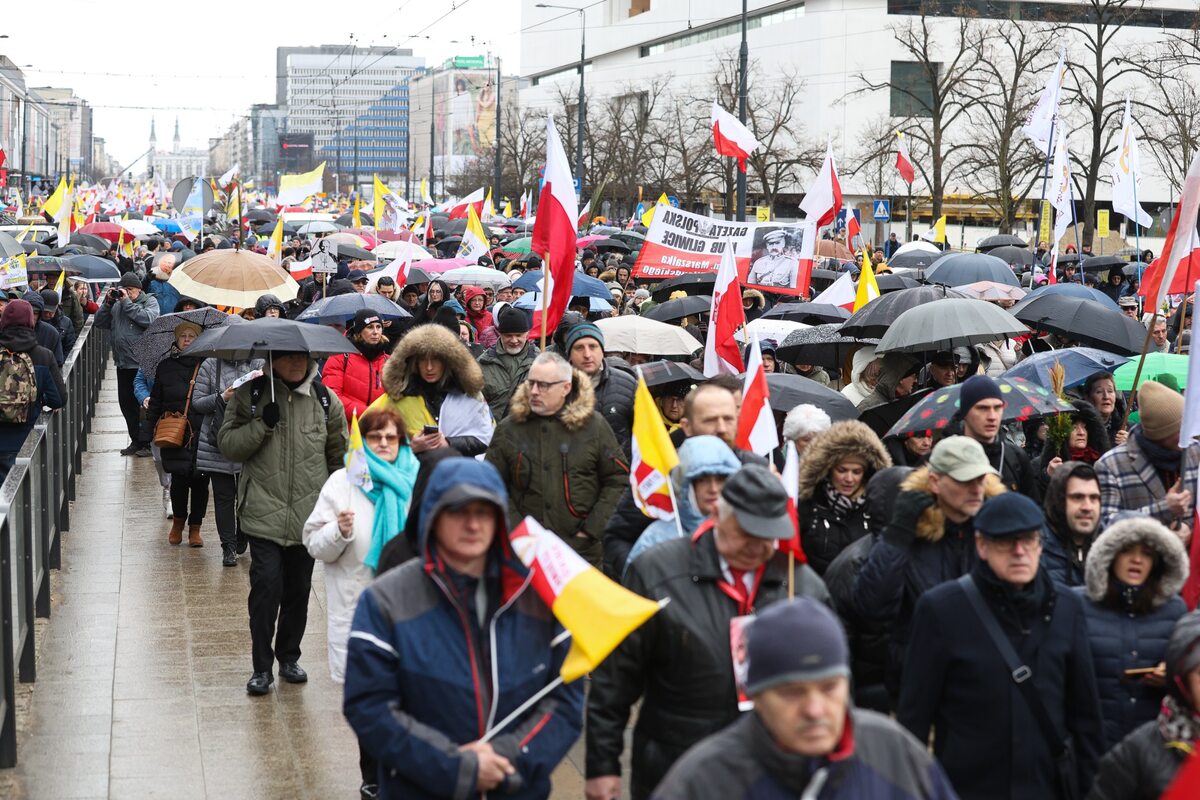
x,y
317,226
916,247
397,249
766,328
476,276
633,334
139,227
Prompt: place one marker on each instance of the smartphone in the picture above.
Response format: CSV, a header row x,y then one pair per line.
x,y
430,430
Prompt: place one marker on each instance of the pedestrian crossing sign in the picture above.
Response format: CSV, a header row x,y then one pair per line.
x,y
883,210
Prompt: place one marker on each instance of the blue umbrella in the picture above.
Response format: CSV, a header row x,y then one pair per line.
x,y
532,301
1079,363
584,285
959,269
92,269
166,225
342,308
1070,290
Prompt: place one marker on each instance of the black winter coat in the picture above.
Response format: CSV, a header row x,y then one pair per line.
x,y
1139,768
824,533
957,685
172,385
615,390
678,661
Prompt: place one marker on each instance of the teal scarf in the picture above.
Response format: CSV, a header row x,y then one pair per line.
x,y
391,492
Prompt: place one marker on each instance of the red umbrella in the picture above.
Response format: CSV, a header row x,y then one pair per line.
x,y
107,230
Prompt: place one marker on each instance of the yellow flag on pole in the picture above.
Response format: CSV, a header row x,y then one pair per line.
x,y
57,201
868,288
379,204
648,216
357,217
653,459
295,189
275,248
508,211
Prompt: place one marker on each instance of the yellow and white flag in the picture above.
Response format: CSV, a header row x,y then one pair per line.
x,y
56,204
653,459
275,248
474,240
295,189
868,287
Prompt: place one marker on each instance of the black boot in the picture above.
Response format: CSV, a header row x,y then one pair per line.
x,y
229,555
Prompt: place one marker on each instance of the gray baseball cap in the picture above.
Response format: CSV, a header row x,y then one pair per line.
x,y
961,458
759,502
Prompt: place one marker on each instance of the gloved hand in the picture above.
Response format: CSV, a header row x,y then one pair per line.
x,y
270,415
906,511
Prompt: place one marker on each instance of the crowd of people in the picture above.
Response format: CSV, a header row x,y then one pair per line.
x,y
988,612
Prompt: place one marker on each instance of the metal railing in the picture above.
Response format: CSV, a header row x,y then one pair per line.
x,y
35,502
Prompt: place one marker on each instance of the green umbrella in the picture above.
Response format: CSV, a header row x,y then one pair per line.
x,y
1156,364
518,246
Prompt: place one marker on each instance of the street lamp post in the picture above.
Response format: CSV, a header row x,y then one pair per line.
x,y
581,112
743,64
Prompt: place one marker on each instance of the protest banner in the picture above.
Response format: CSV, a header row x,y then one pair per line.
x,y
770,256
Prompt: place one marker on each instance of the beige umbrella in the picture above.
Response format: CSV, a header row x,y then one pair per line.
x,y
633,334
991,290
234,278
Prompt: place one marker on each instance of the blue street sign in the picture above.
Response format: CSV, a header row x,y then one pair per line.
x,y
883,210
673,200
840,222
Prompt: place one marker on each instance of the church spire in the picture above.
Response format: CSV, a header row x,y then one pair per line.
x,y
176,142
153,138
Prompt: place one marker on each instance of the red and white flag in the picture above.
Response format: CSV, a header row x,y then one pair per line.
x,y
731,137
554,231
459,209
524,205
841,292
903,163
300,270
791,484
583,215
853,229
824,197
722,355
397,270
1181,242
756,425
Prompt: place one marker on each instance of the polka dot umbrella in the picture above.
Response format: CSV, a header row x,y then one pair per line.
x,y
1022,400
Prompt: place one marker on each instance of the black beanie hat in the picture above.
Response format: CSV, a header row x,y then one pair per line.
x,y
512,320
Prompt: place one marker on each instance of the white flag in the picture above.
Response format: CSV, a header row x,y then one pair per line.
x,y
1060,189
1041,119
1126,175
229,175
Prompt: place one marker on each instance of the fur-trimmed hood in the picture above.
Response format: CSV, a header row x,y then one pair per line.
x,y
932,524
439,342
850,438
1125,533
574,414
757,297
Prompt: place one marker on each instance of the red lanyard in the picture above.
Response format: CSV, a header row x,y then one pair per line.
x,y
736,591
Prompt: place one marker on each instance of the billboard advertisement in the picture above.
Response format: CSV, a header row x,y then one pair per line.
x,y
464,118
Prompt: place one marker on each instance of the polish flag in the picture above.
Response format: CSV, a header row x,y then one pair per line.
x,y
791,484
824,197
756,425
1159,280
903,162
583,215
841,293
301,269
726,318
524,205
853,229
459,210
731,137
554,232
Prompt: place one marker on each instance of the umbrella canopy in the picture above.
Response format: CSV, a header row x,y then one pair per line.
x,y
631,238
342,308
9,247
630,333
820,345
97,243
439,265
881,418
316,226
36,248
888,282
354,253
990,290
828,248
789,391
476,276
398,249
1022,400
919,246
674,310
109,231
155,344
663,373
946,324
1156,364
775,330
1137,267
345,238
270,335
1102,262
873,319
47,265
347,219
610,245
166,225
92,269
1083,321
139,228
691,283
1078,363
260,215
1070,290
808,313
234,278
914,259
518,246
1000,240
581,285
1012,255
959,269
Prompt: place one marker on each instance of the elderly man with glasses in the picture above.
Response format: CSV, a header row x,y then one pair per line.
x,y
558,457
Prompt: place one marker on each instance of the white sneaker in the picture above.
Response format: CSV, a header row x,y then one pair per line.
x,y
167,501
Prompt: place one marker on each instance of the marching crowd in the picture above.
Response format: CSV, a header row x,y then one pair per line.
x,y
987,613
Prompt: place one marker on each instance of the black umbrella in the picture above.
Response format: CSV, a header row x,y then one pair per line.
x,y
881,418
289,228
260,215
269,335
1000,240
355,253
662,373
808,313
89,240
691,283
914,259
1098,263
347,219
873,319
1011,254
46,265
155,343
35,248
789,391
450,226
959,269
823,278
1134,267
602,245
673,310
449,240
92,269
888,282
820,345
342,308
1083,321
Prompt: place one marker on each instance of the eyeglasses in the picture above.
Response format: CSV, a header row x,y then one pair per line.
x,y
1028,541
382,438
542,386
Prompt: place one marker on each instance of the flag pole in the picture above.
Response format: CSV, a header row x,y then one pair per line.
x,y
521,709
1045,182
674,505
545,297
791,575
1138,375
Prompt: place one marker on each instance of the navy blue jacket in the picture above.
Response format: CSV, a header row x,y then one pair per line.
x,y
417,677
52,393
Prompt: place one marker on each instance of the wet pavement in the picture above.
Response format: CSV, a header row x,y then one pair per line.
x,y
143,664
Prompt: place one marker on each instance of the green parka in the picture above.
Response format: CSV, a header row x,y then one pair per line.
x,y
283,468
502,374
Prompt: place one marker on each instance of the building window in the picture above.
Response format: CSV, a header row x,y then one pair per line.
x,y
702,35
912,94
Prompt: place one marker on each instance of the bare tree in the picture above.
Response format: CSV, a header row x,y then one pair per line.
x,y
938,97
681,153
1096,64
1172,125
522,153
999,159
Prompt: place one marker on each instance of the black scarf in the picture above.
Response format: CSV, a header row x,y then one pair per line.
x,y
1165,460
841,505
371,351
1016,608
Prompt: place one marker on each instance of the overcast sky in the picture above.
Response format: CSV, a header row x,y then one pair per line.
x,y
137,62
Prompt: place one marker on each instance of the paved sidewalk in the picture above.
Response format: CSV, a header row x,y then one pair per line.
x,y
143,664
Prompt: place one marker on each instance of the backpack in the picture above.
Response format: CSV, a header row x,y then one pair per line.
x,y
18,387
259,385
